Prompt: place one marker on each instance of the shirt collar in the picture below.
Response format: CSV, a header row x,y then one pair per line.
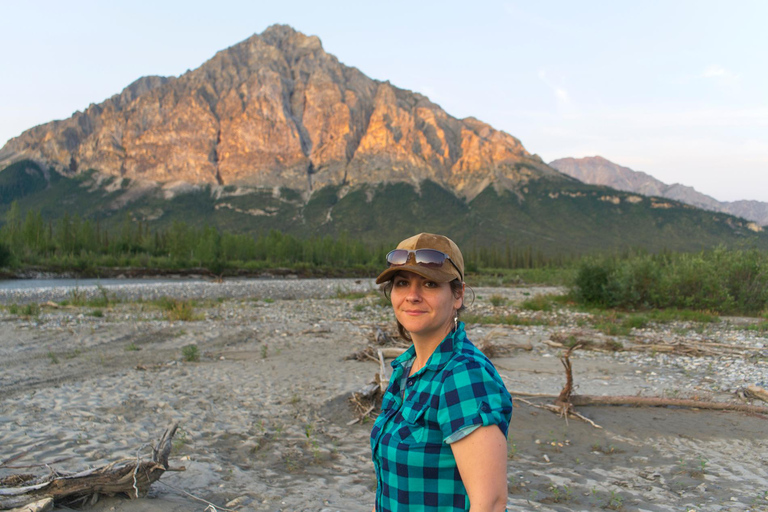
x,y
442,354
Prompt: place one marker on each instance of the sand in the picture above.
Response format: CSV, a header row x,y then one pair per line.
x,y
264,411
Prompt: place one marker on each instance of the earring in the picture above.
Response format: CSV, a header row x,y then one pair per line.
x,y
456,321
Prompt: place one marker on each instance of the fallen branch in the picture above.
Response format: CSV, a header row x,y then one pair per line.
x,y
130,477
647,401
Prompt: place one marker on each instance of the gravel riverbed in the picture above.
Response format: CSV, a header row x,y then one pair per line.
x,y
264,409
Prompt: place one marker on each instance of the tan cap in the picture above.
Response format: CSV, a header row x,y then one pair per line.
x,y
442,274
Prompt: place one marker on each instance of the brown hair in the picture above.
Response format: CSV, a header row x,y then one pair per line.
x,y
456,286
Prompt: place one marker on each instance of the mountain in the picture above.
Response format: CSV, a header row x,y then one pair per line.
x,y
277,110
276,134
597,170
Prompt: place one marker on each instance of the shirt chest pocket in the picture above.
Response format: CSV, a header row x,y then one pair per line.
x,y
414,427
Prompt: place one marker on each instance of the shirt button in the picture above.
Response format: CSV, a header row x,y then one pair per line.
x,y
484,407
410,382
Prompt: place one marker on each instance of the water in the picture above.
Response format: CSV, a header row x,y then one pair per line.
x,y
34,284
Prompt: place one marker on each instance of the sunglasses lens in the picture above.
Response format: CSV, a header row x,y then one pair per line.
x,y
430,257
397,257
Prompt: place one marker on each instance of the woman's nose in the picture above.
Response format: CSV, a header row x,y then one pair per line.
x,y
414,293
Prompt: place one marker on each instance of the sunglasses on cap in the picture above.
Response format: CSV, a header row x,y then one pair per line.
x,y
430,258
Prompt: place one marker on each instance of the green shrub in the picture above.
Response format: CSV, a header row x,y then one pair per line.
x,y
592,283
191,353
718,281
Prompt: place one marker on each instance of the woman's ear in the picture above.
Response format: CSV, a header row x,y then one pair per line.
x,y
460,296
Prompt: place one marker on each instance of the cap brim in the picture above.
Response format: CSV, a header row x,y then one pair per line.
x,y
439,275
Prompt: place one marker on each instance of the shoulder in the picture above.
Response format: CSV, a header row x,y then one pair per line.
x,y
470,368
469,360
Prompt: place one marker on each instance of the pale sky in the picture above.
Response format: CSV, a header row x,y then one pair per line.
x,y
677,89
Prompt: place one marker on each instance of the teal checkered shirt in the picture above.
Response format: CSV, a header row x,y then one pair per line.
x,y
457,391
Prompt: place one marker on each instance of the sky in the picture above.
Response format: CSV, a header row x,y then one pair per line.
x,y
677,89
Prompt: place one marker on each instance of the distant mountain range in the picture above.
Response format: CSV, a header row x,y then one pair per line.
x,y
597,170
275,133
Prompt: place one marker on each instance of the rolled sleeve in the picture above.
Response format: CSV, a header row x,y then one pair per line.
x,y
472,397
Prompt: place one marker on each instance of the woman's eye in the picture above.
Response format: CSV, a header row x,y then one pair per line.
x,y
401,282
430,284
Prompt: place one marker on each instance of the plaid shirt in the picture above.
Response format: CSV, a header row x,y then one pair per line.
x,y
457,390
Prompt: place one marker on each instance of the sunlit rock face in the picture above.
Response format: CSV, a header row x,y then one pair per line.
x,y
277,110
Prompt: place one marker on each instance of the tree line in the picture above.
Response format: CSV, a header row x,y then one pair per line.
x,y
27,239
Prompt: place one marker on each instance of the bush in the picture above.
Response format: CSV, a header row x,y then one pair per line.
x,y
718,281
592,283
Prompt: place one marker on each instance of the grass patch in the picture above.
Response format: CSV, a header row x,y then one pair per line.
x,y
177,310
343,293
549,276
612,329
31,309
663,316
503,320
97,313
759,327
190,353
132,347
497,300
76,297
618,323
539,302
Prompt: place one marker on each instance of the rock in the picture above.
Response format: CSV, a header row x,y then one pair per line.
x,y
275,110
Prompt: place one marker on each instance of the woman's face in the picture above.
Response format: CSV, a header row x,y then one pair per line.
x,y
425,308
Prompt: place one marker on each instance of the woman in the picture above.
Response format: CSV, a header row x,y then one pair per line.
x,y
440,441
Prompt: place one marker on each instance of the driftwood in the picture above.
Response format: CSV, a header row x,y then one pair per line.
x,y
649,401
565,402
130,477
43,505
372,354
687,347
755,393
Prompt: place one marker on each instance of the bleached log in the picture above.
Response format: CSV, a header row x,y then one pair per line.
x,y
43,505
130,477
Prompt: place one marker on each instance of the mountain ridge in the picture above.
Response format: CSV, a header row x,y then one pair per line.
x,y
273,133
277,110
597,170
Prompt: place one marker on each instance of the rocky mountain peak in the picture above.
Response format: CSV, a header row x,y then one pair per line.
x,y
596,170
277,110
